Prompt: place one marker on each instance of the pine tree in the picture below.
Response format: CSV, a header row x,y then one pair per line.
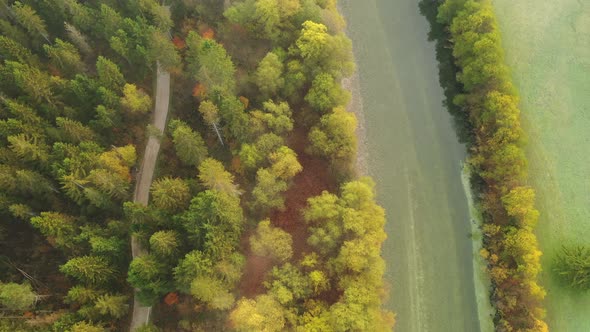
x,y
55,225
214,176
78,39
112,305
109,74
91,270
27,17
164,243
65,57
170,194
189,145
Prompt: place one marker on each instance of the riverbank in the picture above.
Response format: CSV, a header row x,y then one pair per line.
x,y
481,278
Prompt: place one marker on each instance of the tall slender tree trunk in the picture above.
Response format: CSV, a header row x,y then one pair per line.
x,y
218,134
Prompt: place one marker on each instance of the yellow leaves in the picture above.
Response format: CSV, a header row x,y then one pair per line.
x,y
135,100
284,163
312,39
319,281
519,203
119,160
263,314
498,274
214,176
484,253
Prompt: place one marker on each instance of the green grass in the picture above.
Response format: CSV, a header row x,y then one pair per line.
x,y
547,46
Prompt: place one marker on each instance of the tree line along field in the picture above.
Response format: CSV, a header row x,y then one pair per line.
x,y
256,218
481,92
548,49
549,56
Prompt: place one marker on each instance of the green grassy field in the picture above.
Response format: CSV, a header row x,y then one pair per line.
x,y
547,46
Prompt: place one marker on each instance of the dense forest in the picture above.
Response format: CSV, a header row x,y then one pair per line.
x,y
483,95
256,220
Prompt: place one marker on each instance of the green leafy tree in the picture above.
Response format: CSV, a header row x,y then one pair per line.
x,y
275,118
214,176
91,270
170,194
273,242
322,52
261,314
295,80
287,284
15,296
572,265
266,19
250,157
109,74
135,100
326,94
268,192
335,136
312,41
284,163
213,292
269,75
189,145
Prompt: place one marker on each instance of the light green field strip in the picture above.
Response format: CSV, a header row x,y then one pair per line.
x,y
547,46
415,158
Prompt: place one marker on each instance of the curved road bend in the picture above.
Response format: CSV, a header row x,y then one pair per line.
x,y
141,314
414,155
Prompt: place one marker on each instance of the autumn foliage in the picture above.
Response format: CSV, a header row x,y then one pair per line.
x,y
498,158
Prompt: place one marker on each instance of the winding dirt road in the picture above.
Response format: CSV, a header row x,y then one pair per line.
x,y
141,314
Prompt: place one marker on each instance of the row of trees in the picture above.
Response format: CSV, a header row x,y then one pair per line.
x,y
498,159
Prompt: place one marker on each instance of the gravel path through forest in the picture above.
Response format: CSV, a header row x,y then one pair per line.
x,y
141,314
